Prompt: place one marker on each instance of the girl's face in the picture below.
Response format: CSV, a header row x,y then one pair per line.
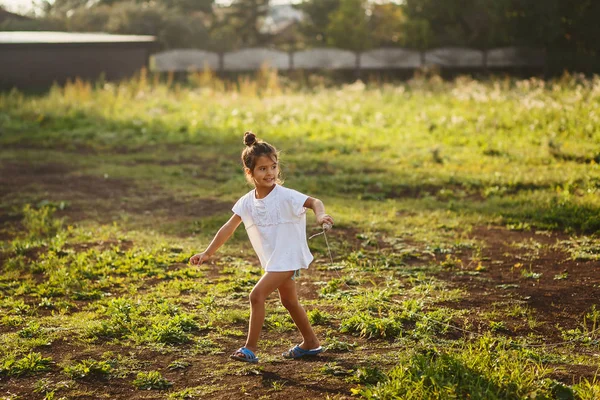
x,y
265,173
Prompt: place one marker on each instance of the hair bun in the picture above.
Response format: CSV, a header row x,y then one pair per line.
x,y
249,138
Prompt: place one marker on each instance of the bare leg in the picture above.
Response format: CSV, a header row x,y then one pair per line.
x,y
289,299
265,286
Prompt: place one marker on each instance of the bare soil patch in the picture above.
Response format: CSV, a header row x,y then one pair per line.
x,y
555,302
96,197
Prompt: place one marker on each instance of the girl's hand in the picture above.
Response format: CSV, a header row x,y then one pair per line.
x,y
325,221
199,258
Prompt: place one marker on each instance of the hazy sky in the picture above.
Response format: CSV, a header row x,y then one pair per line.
x,y
26,5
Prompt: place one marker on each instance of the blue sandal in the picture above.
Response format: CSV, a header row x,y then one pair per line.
x,y
298,352
248,355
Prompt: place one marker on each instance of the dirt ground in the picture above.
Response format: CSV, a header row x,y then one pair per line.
x,y
554,302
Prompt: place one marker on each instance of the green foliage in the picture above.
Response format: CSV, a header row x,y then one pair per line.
x,y
348,26
279,323
434,322
245,16
30,364
335,345
318,317
318,12
369,376
178,364
40,223
31,330
486,369
365,325
151,380
89,368
331,287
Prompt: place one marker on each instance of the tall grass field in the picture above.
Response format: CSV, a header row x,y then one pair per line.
x,y
466,249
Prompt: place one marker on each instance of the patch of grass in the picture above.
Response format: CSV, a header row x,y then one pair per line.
x,y
318,317
197,392
279,323
89,369
179,364
368,376
366,325
32,330
434,322
336,369
151,380
480,370
30,364
338,346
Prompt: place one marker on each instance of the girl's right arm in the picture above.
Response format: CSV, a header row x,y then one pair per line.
x,y
220,238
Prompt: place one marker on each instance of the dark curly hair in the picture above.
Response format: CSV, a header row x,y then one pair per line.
x,y
256,148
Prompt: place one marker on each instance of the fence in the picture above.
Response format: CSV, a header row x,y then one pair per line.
x,y
335,59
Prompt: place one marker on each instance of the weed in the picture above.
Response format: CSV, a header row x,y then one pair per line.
x,y
585,248
530,274
179,364
168,333
365,325
184,394
151,380
434,322
40,223
372,300
587,389
368,376
498,326
337,346
561,276
451,262
335,370
279,323
207,346
479,371
331,287
89,368
31,330
317,317
30,364
277,386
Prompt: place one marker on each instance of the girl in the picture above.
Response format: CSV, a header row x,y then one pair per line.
x,y
275,219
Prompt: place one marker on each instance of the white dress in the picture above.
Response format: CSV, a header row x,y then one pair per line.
x,y
276,226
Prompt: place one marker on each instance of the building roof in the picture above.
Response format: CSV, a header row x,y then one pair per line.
x,y
21,37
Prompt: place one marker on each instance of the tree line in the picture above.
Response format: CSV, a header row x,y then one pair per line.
x,y
567,29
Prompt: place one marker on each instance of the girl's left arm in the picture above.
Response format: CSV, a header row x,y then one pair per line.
x,y
319,209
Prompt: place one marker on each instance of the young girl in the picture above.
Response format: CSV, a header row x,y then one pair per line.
x,y
275,219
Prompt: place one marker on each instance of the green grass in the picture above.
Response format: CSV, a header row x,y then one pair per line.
x,y
111,188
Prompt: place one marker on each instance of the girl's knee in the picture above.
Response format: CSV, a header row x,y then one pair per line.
x,y
289,302
256,297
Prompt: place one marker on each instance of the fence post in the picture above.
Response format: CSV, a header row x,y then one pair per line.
x,y
221,62
485,61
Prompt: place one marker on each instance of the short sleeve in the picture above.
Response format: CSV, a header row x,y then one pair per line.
x,y
297,201
238,207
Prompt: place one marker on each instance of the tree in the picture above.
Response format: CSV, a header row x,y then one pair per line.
x,y
387,24
317,13
245,17
348,26
472,23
